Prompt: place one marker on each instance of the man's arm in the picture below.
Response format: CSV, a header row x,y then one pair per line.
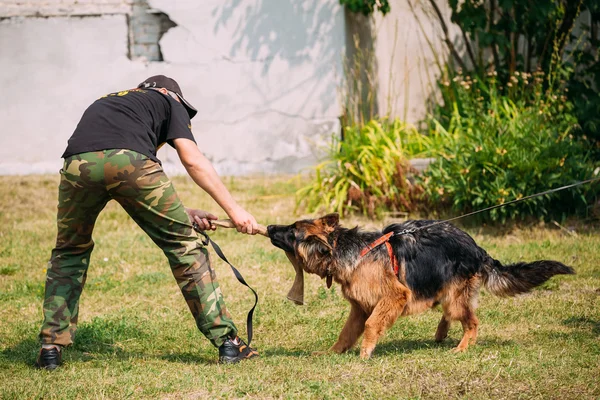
x,y
205,176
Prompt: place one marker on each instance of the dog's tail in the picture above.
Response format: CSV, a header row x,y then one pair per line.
x,y
510,280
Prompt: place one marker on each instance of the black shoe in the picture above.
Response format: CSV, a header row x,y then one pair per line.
x,y
49,358
235,350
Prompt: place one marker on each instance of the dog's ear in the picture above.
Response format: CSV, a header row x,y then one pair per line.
x,y
331,220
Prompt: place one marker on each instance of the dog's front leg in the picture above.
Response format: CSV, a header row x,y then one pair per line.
x,y
383,317
354,327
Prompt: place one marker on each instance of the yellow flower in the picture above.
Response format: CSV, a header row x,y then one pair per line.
x,y
501,151
440,191
478,149
562,161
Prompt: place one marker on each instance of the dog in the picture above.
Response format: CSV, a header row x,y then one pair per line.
x,y
422,264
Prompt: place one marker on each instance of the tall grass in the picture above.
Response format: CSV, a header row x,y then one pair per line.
x,y
368,172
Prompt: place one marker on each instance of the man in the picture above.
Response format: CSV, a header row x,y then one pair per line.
x,y
112,155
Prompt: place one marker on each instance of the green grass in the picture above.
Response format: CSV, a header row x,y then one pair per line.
x,y
137,339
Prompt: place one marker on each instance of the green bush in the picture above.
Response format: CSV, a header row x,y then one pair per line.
x,y
499,147
367,172
525,35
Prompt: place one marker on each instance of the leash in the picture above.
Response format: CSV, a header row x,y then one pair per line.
x,y
386,238
406,231
237,274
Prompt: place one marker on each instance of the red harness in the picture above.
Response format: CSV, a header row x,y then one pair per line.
x,y
384,239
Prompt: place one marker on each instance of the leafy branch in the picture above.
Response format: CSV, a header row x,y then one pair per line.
x,y
367,7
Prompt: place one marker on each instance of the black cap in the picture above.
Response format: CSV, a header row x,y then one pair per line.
x,y
161,81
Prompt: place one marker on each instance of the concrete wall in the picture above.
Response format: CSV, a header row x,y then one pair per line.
x,y
262,73
53,8
408,47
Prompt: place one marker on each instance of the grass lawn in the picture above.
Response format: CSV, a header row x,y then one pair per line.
x,y
137,339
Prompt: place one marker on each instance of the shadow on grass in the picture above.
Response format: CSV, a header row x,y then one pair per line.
x,y
284,352
88,352
395,347
583,322
409,346
94,345
24,352
107,339
191,358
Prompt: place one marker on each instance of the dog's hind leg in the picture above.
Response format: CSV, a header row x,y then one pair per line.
x,y
383,317
462,308
442,329
470,324
354,327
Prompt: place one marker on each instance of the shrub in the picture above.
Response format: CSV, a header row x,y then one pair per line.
x,y
367,171
500,147
524,35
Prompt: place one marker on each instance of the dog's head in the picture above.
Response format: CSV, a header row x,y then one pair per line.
x,y
308,247
307,240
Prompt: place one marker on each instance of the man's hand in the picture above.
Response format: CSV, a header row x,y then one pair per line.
x,y
202,218
244,221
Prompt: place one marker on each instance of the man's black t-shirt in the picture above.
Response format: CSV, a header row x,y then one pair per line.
x,y
138,119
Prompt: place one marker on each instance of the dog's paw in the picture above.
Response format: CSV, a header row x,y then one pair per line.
x,y
365,354
458,349
440,337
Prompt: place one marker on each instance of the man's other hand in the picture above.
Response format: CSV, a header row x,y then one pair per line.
x,y
202,218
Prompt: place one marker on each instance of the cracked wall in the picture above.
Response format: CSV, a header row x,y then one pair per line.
x,y
263,74
146,27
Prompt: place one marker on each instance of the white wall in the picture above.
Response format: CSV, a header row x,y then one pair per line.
x,y
406,56
52,8
262,73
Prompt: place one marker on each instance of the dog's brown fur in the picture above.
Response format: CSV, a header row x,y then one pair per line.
x,y
429,274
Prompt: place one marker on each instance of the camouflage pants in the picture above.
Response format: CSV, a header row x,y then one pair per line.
x,y
88,181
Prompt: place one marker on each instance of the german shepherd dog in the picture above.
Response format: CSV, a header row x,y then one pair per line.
x,y
440,264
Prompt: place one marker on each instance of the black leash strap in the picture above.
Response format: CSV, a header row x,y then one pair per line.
x,y
237,274
500,205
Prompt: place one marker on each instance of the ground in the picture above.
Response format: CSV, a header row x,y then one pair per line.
x,y
138,340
